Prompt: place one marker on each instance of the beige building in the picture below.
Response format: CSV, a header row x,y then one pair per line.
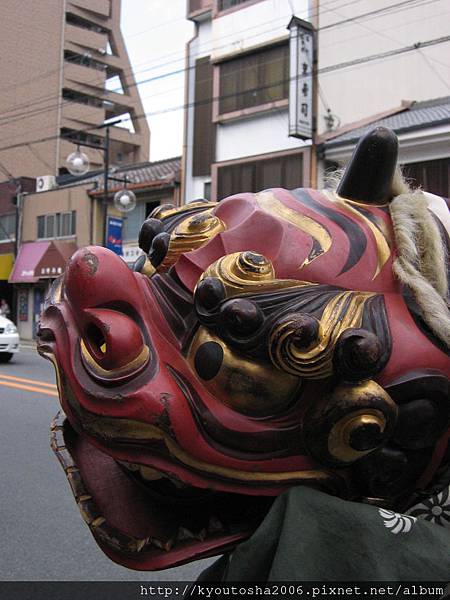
x,y
55,223
65,68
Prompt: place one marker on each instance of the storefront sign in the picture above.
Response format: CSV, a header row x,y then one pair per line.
x,y
301,80
114,238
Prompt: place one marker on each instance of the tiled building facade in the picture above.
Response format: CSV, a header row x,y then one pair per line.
x,y
64,59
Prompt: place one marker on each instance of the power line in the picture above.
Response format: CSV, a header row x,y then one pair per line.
x,y
323,70
28,114
96,80
435,71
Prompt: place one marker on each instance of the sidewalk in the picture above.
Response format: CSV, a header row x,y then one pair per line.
x,y
28,344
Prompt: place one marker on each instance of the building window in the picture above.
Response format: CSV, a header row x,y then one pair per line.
x,y
282,171
75,136
80,98
77,21
86,60
57,225
254,79
7,227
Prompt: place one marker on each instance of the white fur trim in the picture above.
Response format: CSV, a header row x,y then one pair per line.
x,y
422,261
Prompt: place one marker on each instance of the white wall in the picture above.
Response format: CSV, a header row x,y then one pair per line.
x,y
256,24
256,135
366,89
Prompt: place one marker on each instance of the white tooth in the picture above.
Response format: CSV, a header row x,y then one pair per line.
x,y
184,534
162,545
141,544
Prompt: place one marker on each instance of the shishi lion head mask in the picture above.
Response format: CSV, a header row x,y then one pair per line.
x,y
266,341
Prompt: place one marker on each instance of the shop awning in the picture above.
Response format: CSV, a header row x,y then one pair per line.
x,y
6,265
41,260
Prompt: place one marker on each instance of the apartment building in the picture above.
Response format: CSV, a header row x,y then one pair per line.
x,y
237,98
65,68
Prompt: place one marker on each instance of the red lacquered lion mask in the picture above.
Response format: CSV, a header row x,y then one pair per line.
x,y
265,341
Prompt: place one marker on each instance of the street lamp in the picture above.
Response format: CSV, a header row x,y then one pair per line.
x,y
125,200
78,164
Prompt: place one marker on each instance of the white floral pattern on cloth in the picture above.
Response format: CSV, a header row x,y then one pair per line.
x,y
395,522
435,509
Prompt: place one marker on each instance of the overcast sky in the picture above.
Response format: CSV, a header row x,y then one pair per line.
x,y
156,32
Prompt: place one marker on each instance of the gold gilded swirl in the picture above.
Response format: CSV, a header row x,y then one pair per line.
x,y
243,272
380,232
321,237
343,311
190,234
164,211
339,439
148,269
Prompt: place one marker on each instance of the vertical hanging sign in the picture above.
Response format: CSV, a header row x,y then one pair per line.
x,y
301,78
114,235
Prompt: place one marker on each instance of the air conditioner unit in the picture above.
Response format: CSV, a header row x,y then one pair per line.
x,y
45,183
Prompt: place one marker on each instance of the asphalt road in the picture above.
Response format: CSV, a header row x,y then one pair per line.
x,y
42,535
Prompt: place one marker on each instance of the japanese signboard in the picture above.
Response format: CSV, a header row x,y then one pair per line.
x,y
301,79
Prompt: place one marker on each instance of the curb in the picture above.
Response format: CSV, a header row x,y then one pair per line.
x,y
28,344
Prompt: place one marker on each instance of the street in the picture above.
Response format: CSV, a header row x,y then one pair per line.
x,y
43,537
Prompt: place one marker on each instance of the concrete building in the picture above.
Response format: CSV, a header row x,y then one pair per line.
x,y
65,69
237,90
56,222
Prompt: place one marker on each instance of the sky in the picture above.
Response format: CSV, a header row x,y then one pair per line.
x,y
156,32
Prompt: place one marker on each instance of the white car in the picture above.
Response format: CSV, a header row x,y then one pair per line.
x,y
9,339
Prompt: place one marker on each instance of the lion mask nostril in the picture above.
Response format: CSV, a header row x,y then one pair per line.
x,y
96,340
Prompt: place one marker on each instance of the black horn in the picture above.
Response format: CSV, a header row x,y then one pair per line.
x,y
368,176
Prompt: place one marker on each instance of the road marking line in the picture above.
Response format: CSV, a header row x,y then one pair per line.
x,y
25,380
29,388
